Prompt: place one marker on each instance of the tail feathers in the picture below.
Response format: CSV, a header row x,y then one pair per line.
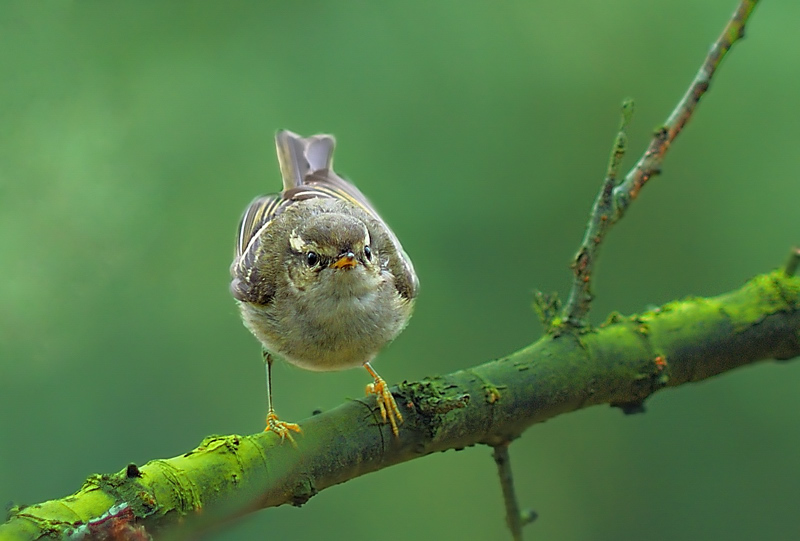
x,y
300,157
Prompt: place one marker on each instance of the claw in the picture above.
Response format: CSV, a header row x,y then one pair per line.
x,y
281,428
386,404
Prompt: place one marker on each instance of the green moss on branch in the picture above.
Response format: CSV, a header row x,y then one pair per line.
x,y
622,362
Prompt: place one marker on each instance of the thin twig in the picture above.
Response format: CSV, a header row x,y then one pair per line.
x,y
794,261
581,295
648,165
503,462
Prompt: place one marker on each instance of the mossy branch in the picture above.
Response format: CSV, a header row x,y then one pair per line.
x,y
621,363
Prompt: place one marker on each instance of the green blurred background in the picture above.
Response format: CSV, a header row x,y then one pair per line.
x,y
133,135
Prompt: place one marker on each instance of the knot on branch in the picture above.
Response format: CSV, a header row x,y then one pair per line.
x,y
303,491
651,376
431,399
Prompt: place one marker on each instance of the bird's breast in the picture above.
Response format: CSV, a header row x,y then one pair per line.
x,y
334,329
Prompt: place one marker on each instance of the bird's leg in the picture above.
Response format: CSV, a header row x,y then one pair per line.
x,y
386,403
281,428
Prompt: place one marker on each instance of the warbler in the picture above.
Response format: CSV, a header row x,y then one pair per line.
x,y
320,279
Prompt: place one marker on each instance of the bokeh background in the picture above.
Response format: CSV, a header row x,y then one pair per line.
x,y
133,135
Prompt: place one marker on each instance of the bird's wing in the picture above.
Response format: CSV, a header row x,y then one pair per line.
x,y
258,214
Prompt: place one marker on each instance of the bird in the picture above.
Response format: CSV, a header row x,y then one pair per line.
x,y
319,278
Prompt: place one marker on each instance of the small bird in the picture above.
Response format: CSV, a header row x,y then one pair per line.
x,y
320,279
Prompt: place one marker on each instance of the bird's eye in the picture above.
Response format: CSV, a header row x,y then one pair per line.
x,y
368,252
312,258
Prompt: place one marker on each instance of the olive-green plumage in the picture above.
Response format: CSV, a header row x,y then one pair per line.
x,y
319,277
308,312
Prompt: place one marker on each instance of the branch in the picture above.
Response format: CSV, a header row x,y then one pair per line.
x,y
612,201
621,363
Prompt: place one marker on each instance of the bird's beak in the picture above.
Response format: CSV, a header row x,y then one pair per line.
x,y
346,261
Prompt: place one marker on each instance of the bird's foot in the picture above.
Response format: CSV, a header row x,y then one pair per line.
x,y
281,428
386,403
